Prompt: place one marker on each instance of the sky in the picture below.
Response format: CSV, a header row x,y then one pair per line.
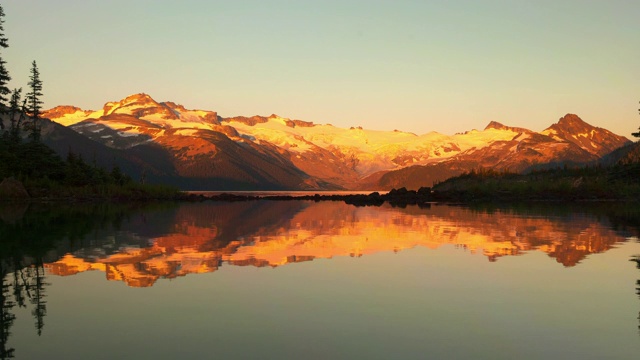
x,y
419,66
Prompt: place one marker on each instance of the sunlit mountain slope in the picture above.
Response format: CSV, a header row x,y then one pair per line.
x,y
276,152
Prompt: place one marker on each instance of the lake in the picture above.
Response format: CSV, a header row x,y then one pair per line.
x,y
319,280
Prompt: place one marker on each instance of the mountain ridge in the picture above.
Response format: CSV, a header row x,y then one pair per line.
x,y
280,153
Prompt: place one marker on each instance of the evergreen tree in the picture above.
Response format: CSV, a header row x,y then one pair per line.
x,y
637,134
4,89
15,110
22,115
34,102
4,42
4,73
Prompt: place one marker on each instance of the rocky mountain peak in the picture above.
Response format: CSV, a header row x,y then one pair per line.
x,y
60,111
571,128
499,126
139,105
138,98
570,125
495,125
572,122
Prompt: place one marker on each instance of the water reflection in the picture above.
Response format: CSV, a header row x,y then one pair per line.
x,y
199,238
139,245
32,237
149,244
636,259
23,286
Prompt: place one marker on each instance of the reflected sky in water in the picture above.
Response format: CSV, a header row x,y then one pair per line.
x,y
326,280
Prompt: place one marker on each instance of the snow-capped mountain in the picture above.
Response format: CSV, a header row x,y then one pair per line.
x,y
208,151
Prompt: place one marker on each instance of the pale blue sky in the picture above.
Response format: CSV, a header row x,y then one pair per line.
x,y
418,66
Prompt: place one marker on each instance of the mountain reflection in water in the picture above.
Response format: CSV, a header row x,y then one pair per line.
x,y
201,237
139,245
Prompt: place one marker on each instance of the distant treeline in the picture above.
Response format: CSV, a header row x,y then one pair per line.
x,y
620,181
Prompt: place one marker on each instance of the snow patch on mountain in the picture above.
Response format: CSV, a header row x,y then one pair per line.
x,y
74,117
128,133
374,150
327,153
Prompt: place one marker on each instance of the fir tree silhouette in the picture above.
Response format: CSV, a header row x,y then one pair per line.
x,y
34,101
4,73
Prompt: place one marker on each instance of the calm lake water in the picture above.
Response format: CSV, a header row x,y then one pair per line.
x,y
319,280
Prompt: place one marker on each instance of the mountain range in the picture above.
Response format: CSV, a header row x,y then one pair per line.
x,y
200,150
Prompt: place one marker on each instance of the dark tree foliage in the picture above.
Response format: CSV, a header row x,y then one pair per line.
x,y
4,42
4,89
637,134
31,160
44,173
37,292
6,316
15,114
34,101
4,73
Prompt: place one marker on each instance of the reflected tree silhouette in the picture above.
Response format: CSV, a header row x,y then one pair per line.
x,y
636,259
37,295
34,235
31,237
18,285
6,316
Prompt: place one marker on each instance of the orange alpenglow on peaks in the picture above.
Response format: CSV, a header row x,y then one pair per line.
x,y
300,155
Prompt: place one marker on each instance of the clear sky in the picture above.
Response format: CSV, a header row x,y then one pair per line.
x,y
419,66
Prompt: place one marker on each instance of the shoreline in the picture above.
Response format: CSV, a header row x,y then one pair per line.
x,y
396,197
424,197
